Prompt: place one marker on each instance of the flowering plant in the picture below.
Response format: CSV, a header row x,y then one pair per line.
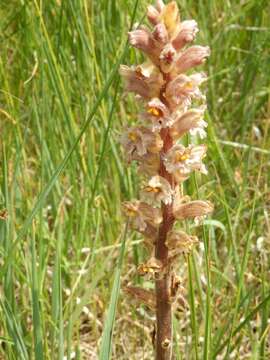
x,y
166,88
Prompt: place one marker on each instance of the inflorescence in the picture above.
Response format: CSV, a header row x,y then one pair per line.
x,y
173,106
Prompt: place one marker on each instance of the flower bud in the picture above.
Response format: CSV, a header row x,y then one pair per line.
x,y
153,14
142,39
187,32
170,17
192,57
160,34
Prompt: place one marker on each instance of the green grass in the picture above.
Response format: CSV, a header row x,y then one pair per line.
x,y
63,178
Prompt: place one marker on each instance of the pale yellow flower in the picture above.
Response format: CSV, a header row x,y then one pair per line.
x,y
170,17
166,14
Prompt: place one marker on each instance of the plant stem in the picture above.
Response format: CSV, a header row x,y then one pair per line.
x,y
164,308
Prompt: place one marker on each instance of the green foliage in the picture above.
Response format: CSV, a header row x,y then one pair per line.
x,y
63,178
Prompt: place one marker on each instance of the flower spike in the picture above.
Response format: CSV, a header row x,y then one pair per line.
x,y
166,93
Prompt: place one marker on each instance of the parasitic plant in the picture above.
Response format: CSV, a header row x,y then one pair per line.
x,y
166,89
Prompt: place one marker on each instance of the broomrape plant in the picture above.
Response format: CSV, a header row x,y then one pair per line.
x,y
166,89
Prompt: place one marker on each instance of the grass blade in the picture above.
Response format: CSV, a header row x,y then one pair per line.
x,y
105,349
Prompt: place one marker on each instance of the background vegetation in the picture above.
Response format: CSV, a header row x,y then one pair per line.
x,y
63,178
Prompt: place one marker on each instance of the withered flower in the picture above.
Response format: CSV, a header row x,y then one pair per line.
x,y
143,296
193,209
141,214
179,242
151,267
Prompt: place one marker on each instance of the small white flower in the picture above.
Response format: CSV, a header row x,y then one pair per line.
x,y
170,17
137,141
260,243
158,189
181,161
78,300
85,250
199,129
158,114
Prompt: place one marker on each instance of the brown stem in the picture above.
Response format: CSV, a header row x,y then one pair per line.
x,y
163,308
